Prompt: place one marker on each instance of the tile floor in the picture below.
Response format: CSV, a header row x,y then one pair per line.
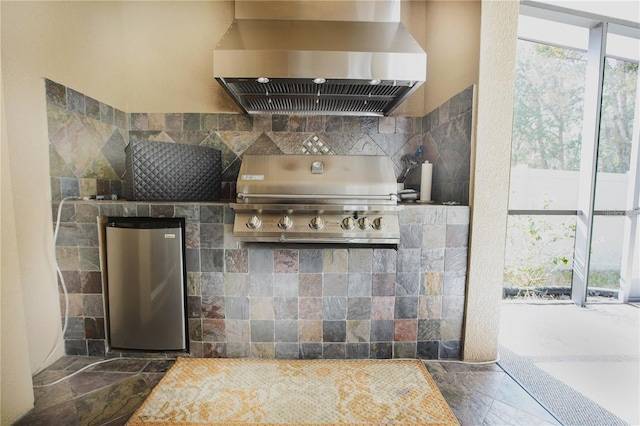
x,y
109,393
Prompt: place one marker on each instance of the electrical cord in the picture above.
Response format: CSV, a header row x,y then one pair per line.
x,y
66,310
164,359
66,319
62,284
93,364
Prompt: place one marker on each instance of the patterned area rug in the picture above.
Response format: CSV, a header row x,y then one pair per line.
x,y
212,391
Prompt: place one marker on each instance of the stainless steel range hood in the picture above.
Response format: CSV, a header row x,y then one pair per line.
x,y
319,57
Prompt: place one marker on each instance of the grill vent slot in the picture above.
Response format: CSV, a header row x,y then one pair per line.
x,y
293,106
299,96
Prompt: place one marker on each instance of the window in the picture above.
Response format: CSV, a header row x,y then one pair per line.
x,y
574,173
547,128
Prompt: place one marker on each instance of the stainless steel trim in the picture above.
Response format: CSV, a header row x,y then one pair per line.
x,y
390,197
346,208
146,293
300,227
317,240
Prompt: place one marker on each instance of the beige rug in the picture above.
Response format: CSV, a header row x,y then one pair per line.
x,y
212,391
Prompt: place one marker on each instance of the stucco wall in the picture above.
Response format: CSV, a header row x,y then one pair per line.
x,y
40,39
169,65
452,45
490,179
76,42
448,33
135,56
16,393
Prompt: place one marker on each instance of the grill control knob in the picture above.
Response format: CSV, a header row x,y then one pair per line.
x,y
285,222
316,223
364,223
348,223
379,224
254,222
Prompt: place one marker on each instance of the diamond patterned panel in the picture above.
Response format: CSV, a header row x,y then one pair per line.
x,y
172,172
316,146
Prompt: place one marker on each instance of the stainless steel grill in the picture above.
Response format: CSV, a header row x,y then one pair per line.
x,y
316,199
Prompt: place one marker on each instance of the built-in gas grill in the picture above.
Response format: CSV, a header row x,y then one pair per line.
x,y
316,199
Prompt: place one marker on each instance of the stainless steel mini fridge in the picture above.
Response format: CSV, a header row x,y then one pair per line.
x,y
146,283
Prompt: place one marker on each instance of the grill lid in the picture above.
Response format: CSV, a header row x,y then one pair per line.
x,y
316,199
316,179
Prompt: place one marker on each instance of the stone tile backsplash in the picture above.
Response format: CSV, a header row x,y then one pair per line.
x,y
447,144
87,140
264,300
86,144
268,301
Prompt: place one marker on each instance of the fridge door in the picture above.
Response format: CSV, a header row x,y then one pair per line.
x,y
146,300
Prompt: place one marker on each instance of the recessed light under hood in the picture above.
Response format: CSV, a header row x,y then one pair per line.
x,y
370,63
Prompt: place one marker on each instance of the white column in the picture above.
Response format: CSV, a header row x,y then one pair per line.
x,y
491,157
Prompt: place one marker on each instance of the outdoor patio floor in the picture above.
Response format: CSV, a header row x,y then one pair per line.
x,y
583,364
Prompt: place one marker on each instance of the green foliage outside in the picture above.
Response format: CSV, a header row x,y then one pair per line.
x,y
547,134
548,107
539,252
604,279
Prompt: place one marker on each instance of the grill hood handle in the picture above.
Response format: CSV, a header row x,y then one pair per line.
x,y
245,196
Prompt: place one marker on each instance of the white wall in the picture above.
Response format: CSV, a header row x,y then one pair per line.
x,y
558,189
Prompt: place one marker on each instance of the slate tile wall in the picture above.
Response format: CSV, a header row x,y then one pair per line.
x,y
274,302
87,141
266,301
447,144
86,144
